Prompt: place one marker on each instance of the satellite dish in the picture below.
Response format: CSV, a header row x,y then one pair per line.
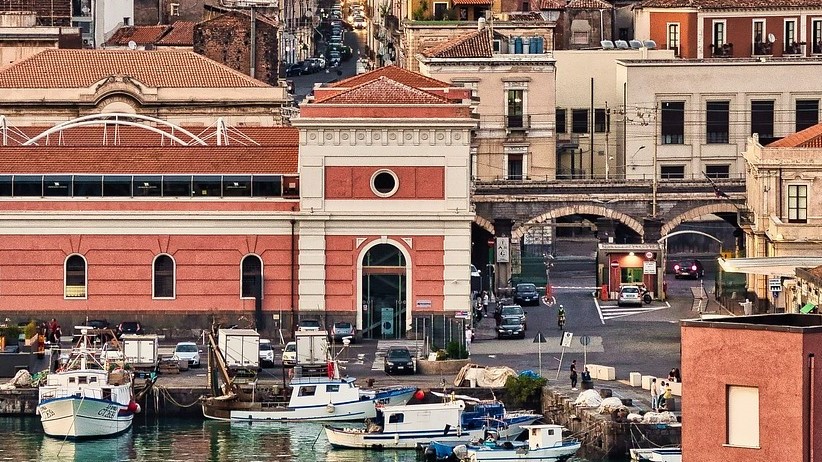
x,y
771,38
132,45
622,44
635,44
650,44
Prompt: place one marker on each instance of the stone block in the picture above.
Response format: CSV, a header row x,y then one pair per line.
x,y
646,381
635,379
676,388
606,373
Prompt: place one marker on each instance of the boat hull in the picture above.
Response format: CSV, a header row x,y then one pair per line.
x,y
552,454
657,455
360,439
77,417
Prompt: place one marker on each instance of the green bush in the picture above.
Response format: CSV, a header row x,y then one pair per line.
x,y
31,329
524,391
456,351
12,334
420,13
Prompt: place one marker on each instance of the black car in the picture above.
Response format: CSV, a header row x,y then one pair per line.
x,y
526,294
294,69
691,269
129,327
510,327
97,324
398,359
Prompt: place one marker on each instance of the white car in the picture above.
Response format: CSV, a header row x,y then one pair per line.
x,y
629,295
187,351
266,353
359,22
290,354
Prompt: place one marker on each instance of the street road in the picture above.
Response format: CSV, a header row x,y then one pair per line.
x,y
304,84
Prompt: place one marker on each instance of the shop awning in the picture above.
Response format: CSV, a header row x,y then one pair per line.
x,y
769,266
807,308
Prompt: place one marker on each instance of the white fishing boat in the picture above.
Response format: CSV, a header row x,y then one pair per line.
x,y
84,399
311,399
545,444
405,427
669,454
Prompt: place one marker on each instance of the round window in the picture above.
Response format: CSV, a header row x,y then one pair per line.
x,y
384,183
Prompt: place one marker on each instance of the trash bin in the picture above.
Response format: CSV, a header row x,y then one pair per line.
x,y
603,292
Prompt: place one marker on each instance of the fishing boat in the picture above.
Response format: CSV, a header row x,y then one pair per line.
x,y
84,399
669,454
545,444
492,415
405,427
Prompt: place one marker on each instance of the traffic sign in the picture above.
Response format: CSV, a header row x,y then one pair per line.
x,y
567,337
585,340
614,264
539,338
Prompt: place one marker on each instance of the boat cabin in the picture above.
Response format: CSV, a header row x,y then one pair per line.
x,y
89,383
544,436
308,391
419,417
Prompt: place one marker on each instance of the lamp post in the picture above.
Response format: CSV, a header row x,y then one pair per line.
x,y
654,180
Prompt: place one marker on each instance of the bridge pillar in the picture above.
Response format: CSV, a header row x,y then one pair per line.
x,y
502,228
652,228
606,231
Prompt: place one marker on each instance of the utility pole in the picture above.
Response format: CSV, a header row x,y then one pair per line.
x,y
592,128
654,179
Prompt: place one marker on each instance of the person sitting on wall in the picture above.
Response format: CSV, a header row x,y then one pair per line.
x,y
587,381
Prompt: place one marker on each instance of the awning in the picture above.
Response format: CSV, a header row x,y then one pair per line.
x,y
769,266
807,308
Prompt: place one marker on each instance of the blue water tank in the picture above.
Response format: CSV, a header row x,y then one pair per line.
x,y
518,45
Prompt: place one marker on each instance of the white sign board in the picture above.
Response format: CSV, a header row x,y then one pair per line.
x,y
461,315
423,303
503,250
567,337
775,284
649,267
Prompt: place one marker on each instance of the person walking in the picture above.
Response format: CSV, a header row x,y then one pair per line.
x,y
574,375
654,395
660,395
485,302
469,335
668,397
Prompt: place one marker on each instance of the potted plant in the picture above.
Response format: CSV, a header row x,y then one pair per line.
x,y
30,332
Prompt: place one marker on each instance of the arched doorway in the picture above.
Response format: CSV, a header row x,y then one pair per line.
x,y
384,292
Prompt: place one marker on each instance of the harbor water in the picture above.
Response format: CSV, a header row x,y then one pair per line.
x,y
187,440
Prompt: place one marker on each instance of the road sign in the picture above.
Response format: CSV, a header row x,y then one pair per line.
x,y
649,267
775,284
614,264
567,337
585,340
539,338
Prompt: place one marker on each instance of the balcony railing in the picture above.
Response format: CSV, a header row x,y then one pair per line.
x,y
518,122
75,291
725,50
762,49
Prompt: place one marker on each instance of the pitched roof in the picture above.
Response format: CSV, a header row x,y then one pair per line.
x,y
589,5
735,5
397,74
476,44
142,35
552,4
383,91
55,68
810,137
181,34
817,271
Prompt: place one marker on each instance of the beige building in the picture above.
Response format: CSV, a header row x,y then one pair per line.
x,y
178,86
515,93
21,37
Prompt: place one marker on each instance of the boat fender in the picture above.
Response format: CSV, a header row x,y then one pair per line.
x,y
329,408
134,407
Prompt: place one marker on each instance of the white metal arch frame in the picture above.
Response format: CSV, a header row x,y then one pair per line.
x,y
119,118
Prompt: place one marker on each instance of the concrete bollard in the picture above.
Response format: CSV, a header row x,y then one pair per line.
x,y
646,381
635,379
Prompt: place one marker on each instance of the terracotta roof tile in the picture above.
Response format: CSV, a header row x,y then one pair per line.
x,y
397,74
817,272
383,91
150,160
472,2
157,68
810,137
552,4
181,34
136,136
589,5
476,44
735,5
142,35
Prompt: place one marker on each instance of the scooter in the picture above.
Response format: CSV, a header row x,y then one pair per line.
x,y
645,294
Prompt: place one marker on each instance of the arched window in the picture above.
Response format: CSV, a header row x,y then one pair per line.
x,y
164,280
74,284
251,283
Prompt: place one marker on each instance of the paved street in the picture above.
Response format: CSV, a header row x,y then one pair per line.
x,y
304,84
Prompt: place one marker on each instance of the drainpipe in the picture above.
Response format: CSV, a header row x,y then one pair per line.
x,y
292,278
810,410
253,55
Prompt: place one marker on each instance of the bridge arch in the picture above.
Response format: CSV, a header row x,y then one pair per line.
x,y
484,224
724,206
588,209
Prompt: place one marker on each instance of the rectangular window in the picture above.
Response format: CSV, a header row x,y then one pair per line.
x,y
57,185
440,11
673,38
516,108
28,185
718,171
579,121
816,35
237,186
267,186
797,203
207,186
88,185
177,186
791,48
601,121
148,186
561,121
396,418
332,388
5,185
673,122
307,390
174,9
719,38
761,46
672,172
526,6
515,162
114,186
742,416
126,21
717,122
762,120
807,113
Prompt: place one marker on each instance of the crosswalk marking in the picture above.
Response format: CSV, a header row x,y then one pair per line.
x,y
613,312
384,345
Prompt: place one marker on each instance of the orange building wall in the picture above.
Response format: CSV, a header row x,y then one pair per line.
x,y
119,269
687,31
739,32
355,182
773,361
341,259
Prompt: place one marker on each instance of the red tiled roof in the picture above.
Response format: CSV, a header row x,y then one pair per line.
x,y
54,68
141,35
810,137
476,44
737,4
589,5
383,91
552,4
149,160
181,34
817,272
471,2
397,74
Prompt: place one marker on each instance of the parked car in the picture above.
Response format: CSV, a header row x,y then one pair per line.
x,y
512,312
398,359
129,327
359,22
290,354
187,351
295,69
629,295
309,324
94,324
526,294
510,327
692,269
341,329
266,353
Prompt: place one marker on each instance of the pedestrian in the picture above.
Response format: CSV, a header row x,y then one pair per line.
x,y
586,377
654,395
52,327
469,335
574,375
485,302
674,376
661,395
57,334
668,397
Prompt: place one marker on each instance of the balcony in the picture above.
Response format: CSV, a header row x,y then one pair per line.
x,y
782,231
725,50
75,292
518,122
763,49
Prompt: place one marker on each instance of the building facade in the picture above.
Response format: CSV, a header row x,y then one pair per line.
x,y
21,36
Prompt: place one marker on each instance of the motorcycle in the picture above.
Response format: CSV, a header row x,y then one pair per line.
x,y
645,294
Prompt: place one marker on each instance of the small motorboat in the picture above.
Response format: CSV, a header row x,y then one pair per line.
x,y
667,454
545,444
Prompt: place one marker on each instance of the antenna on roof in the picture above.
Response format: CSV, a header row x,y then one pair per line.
x,y
132,45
